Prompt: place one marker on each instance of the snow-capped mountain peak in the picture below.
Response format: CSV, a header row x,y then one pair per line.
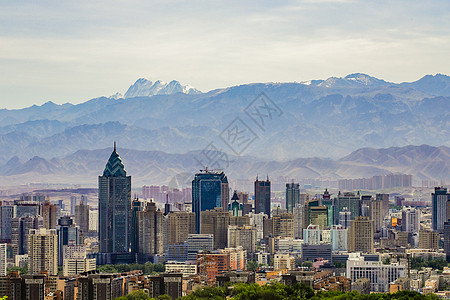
x,y
145,87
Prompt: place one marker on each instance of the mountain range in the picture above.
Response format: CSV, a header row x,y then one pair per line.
x,y
318,118
156,167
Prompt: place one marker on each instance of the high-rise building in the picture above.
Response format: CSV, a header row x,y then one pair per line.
x,y
429,240
345,218
312,235
410,220
82,217
180,225
447,239
150,226
3,260
318,215
292,196
216,222
439,205
262,196
7,212
349,200
20,228
209,190
26,208
338,238
376,213
360,236
49,215
212,263
245,236
43,251
68,234
257,220
299,220
283,225
170,284
114,197
73,203
384,198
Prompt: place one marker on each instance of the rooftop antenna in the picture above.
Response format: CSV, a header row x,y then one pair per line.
x,y
114,146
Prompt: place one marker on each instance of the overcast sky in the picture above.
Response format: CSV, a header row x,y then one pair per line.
x,y
72,51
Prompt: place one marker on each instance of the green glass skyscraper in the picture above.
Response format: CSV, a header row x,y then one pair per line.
x,y
114,206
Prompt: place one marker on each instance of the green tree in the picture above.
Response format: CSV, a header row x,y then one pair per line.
x,y
136,295
307,264
252,265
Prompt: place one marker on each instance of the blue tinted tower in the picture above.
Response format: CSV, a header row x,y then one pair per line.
x,y
209,190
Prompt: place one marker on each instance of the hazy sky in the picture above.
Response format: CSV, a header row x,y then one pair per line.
x,y
72,51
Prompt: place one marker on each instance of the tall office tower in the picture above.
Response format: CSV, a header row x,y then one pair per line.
x,y
447,239
43,251
299,220
376,213
262,196
49,215
292,196
439,202
7,212
283,225
82,217
3,260
429,240
305,198
349,200
20,228
136,206
235,208
339,239
257,220
410,220
312,235
68,234
384,198
360,235
114,206
328,203
180,225
318,215
244,236
345,218
150,226
73,203
216,222
209,190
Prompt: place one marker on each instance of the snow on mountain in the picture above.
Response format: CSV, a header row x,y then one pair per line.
x,y
144,87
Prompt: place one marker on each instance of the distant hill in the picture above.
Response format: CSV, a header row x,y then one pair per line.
x,y
325,118
156,167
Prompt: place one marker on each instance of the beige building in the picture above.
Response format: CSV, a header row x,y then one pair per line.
x,y
428,240
245,236
360,235
216,222
283,225
74,266
180,225
376,213
283,261
43,251
150,230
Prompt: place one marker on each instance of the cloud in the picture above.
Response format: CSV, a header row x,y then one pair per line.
x,y
76,50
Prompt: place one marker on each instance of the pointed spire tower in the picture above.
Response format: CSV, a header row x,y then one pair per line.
x,y
114,196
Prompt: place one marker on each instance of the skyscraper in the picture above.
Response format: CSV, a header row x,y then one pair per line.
x,y
68,234
410,220
376,212
439,202
114,197
349,200
150,228
7,212
360,235
82,217
292,196
3,258
49,215
262,196
180,225
43,251
209,190
216,222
